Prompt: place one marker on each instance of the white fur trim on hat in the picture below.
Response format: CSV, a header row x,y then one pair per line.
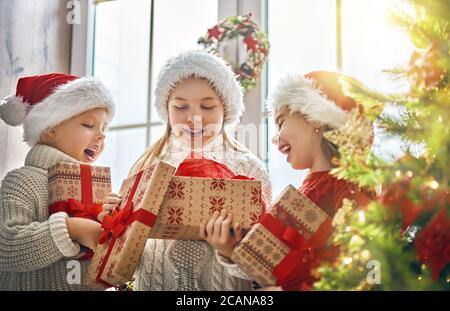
x,y
68,100
299,94
200,64
13,110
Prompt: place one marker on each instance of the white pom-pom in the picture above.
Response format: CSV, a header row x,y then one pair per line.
x,y
13,110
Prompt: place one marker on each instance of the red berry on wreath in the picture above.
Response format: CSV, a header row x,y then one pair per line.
x,y
251,43
214,32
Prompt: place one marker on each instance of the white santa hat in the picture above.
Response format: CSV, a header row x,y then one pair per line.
x,y
318,96
201,64
44,101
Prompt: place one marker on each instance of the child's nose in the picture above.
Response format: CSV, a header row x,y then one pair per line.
x,y
194,118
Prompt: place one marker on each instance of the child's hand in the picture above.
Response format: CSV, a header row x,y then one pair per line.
x,y
84,231
112,201
218,233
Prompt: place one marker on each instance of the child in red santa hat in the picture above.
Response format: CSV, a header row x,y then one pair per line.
x,y
64,119
304,108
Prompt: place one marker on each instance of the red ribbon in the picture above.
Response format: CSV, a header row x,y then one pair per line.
x,y
295,267
75,208
114,226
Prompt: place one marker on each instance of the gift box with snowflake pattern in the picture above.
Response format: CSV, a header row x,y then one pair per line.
x,y
192,200
279,249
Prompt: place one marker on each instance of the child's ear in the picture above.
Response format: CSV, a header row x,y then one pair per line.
x,y
316,126
48,135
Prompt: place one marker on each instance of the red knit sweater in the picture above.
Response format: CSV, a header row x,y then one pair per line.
x,y
326,191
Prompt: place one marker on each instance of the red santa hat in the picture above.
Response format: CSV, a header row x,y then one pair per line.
x,y
318,96
44,101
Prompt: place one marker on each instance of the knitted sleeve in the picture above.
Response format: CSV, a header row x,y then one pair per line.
x,y
27,244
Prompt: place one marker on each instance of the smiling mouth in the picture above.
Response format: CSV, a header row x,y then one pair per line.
x,y
285,149
193,133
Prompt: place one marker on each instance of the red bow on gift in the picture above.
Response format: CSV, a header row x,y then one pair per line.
x,y
114,225
295,268
75,208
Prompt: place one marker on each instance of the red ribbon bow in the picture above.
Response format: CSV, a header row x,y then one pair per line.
x,y
75,208
114,225
295,268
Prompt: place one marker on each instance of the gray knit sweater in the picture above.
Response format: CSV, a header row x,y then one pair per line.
x,y
35,249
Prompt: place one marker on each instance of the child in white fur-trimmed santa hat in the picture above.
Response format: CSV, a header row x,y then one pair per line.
x,y
64,119
197,97
304,108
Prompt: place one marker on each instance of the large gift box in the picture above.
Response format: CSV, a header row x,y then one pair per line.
x,y
280,249
206,186
78,189
126,230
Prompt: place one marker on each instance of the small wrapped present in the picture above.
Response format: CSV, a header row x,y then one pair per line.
x,y
79,190
201,187
126,230
280,249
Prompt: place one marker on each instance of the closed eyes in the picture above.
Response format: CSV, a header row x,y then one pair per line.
x,y
203,107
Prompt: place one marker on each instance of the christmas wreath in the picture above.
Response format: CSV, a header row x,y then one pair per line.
x,y
255,40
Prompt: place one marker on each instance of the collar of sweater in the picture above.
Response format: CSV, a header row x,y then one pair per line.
x,y
44,156
178,148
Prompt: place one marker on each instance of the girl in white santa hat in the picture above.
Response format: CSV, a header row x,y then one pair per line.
x,y
64,119
304,108
199,98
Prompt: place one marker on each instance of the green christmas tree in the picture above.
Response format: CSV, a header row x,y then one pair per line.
x,y
399,239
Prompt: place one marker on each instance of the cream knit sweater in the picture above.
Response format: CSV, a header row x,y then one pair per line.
x,y
35,249
195,265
